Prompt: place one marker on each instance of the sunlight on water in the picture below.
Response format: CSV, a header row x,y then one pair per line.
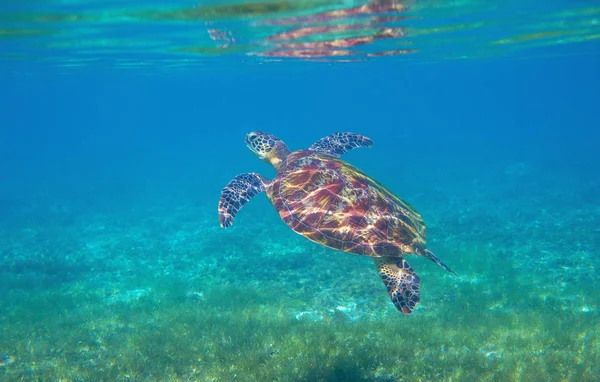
x,y
185,34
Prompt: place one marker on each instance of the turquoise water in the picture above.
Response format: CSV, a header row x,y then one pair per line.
x,y
122,122
180,36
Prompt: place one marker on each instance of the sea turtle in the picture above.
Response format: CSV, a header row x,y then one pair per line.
x,y
331,202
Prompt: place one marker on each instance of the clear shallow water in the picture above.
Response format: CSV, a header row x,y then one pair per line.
x,y
187,35
112,262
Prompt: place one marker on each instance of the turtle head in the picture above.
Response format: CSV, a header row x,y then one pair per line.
x,y
267,147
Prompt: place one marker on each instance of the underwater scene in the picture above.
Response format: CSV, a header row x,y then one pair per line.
x,y
308,190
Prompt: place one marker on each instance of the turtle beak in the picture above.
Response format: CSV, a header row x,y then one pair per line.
x,y
250,137
252,141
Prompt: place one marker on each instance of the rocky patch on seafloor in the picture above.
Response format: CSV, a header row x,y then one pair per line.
x,y
343,312
129,296
6,359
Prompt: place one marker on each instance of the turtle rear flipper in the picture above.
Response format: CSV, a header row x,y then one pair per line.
x,y
402,283
340,143
238,192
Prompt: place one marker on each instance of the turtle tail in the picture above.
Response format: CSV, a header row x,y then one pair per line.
x,y
428,254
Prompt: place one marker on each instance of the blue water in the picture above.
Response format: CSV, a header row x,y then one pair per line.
x,y
113,265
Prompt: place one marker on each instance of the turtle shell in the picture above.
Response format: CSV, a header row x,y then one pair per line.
x,y
331,202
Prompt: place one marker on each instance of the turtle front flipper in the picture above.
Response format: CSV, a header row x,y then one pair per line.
x,y
237,193
402,283
340,143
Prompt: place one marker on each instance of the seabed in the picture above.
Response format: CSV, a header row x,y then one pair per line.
x,y
157,291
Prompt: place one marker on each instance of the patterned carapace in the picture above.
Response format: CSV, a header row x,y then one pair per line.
x,y
335,204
